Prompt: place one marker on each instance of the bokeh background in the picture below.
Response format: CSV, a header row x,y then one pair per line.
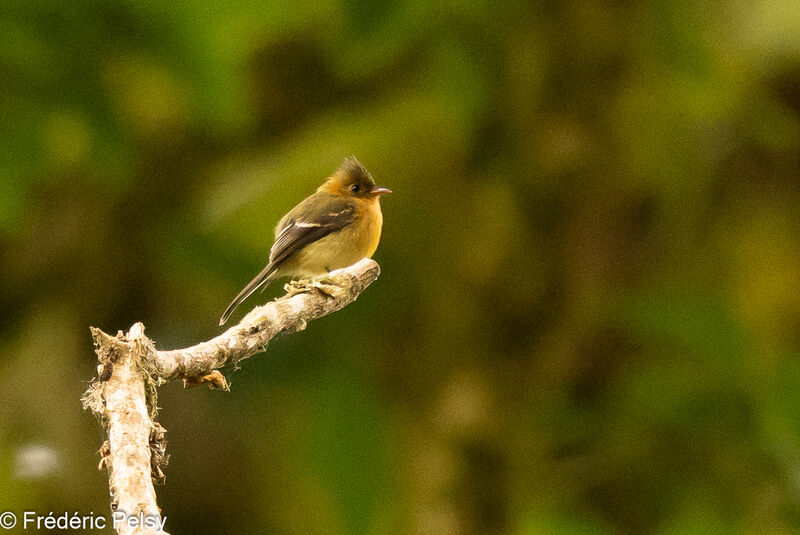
x,y
588,319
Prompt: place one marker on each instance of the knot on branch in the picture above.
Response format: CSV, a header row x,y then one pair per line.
x,y
159,458
214,379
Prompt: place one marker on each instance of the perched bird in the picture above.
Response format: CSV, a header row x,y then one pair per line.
x,y
335,227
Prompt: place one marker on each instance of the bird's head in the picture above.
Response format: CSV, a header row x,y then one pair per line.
x,y
353,180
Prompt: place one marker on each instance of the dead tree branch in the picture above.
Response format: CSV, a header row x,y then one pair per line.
x,y
124,394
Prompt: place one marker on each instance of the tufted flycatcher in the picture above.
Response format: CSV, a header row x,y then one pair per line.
x,y
335,227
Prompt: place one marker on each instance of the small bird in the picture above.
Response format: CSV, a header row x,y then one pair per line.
x,y
335,227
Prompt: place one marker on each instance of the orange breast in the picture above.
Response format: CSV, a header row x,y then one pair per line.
x,y
374,224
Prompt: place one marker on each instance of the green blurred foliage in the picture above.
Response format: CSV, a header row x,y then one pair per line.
x,y
588,319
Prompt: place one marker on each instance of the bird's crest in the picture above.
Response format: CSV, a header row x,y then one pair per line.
x,y
355,171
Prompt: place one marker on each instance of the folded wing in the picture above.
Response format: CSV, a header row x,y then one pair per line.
x,y
311,220
306,224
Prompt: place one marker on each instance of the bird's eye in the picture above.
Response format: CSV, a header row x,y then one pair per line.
x,y
355,187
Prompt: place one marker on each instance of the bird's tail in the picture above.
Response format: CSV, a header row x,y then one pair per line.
x,y
261,279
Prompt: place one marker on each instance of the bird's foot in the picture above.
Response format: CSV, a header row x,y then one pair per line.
x,y
307,285
294,287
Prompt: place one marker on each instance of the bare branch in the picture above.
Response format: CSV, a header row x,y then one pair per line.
x,y
121,402
124,394
251,336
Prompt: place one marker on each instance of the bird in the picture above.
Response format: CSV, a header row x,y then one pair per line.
x,y
334,227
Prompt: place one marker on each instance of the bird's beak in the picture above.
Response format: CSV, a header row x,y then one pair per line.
x,y
380,191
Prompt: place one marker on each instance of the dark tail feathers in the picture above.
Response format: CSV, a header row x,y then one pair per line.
x,y
261,279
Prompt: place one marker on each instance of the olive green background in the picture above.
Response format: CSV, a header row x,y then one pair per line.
x,y
588,319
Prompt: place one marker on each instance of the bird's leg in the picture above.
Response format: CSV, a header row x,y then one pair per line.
x,y
306,285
